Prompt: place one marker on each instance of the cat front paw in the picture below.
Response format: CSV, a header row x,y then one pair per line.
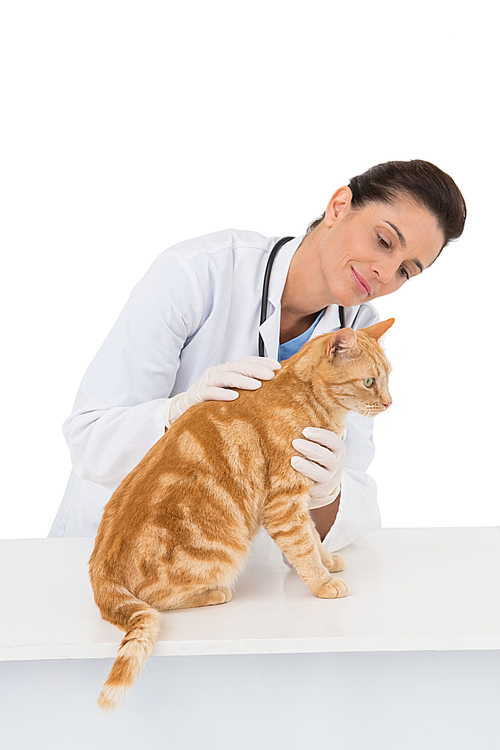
x,y
334,563
332,589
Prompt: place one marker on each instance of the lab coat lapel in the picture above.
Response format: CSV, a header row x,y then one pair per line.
x,y
331,319
329,322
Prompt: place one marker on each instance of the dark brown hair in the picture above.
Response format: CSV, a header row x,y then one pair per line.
x,y
420,180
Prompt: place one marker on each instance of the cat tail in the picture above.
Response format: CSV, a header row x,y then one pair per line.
x,y
142,625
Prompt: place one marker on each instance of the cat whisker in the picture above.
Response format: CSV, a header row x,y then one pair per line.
x,y
403,408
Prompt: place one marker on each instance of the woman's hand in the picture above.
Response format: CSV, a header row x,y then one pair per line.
x,y
215,384
324,459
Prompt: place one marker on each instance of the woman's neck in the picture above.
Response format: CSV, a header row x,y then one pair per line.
x,y
303,297
292,326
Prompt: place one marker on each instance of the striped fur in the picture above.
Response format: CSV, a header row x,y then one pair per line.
x,y
176,532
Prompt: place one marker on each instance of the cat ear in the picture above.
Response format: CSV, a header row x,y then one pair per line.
x,y
343,344
378,329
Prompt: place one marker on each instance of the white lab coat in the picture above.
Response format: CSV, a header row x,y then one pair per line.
x,y
198,305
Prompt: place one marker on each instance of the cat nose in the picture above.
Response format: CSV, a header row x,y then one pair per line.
x,y
387,403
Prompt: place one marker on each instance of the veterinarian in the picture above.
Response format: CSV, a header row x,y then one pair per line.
x,y
191,332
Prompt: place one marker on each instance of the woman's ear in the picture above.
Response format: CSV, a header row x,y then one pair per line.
x,y
343,344
338,206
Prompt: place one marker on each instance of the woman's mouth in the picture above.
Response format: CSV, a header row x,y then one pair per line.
x,y
362,285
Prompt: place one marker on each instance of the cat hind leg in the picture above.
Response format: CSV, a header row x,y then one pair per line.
x,y
205,598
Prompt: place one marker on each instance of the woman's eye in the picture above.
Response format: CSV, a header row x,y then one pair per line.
x,y
368,382
383,243
404,273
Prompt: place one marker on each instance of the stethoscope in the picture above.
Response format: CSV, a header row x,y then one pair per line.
x,y
265,291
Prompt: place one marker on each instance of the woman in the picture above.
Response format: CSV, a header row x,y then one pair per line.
x,y
199,306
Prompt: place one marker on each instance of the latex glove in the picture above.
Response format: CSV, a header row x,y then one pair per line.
x,y
324,459
216,382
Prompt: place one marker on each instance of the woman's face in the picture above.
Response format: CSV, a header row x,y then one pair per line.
x,y
373,251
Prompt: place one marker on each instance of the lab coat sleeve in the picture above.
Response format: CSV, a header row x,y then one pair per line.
x,y
116,418
358,512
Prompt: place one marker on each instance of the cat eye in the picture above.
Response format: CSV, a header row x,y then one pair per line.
x,y
368,382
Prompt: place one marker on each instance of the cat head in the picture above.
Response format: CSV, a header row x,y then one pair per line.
x,y
360,369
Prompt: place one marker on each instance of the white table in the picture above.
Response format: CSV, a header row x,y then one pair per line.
x,y
409,660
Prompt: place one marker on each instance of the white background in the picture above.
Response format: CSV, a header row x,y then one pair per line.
x,y
129,126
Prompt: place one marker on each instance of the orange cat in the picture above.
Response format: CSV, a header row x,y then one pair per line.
x,y
178,528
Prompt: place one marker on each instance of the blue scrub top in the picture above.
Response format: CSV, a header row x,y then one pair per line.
x,y
286,350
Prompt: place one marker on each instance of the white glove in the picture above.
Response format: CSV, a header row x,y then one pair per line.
x,y
215,383
326,452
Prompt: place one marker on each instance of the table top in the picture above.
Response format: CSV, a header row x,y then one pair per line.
x,y
410,590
